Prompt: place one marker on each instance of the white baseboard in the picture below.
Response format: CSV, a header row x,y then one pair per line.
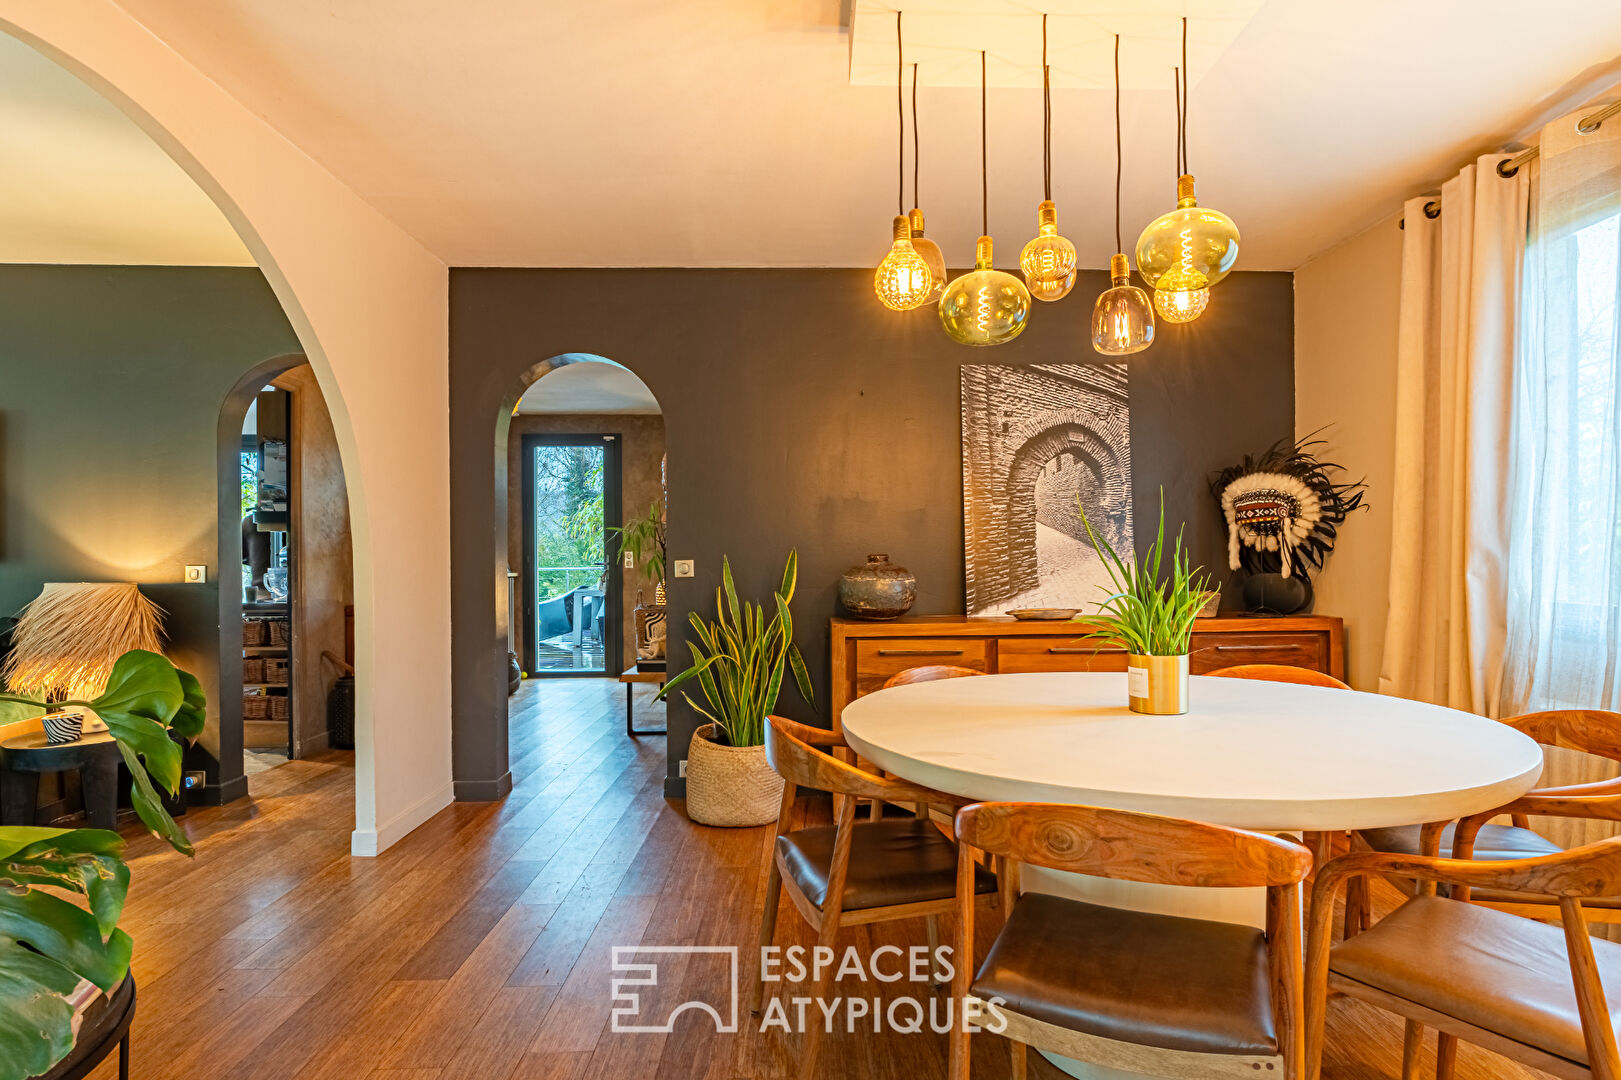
x,y
369,842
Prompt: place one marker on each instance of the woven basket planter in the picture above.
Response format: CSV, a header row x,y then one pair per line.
x,y
730,785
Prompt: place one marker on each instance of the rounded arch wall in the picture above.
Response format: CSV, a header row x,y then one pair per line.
x,y
369,305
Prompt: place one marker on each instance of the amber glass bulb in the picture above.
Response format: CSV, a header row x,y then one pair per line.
x,y
1199,244
903,280
1049,260
985,306
931,255
1122,319
1180,305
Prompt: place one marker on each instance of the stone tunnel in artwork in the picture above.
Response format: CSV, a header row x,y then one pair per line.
x,y
1036,438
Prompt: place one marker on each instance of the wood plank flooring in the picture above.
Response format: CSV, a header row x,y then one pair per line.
x,y
479,947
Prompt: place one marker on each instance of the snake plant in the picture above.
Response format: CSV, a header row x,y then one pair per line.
x,y
738,661
49,945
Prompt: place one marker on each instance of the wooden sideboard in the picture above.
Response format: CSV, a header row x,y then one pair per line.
x,y
867,653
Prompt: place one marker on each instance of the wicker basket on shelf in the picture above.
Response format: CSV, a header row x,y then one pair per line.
x,y
253,669
276,670
255,707
278,631
254,632
281,707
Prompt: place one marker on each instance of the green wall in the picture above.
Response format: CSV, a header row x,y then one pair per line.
x,y
111,382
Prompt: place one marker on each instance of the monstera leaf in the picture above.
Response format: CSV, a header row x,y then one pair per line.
x,y
49,945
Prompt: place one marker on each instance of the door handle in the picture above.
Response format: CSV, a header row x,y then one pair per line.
x,y
1061,650
919,652
1296,646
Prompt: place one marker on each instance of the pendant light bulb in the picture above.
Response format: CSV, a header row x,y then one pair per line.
x,y
1195,244
903,281
1122,319
1180,305
931,253
1048,261
985,306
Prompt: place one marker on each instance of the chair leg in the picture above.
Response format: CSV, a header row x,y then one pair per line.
x,y
815,1019
1412,1041
1356,906
768,930
123,1058
1017,1050
931,925
1446,1055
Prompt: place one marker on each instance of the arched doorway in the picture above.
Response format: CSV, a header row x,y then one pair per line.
x,y
371,315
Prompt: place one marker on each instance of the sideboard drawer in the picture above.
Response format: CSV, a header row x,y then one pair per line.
x,y
879,658
1212,651
1069,653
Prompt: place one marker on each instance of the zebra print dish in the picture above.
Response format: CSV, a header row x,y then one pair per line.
x,y
62,727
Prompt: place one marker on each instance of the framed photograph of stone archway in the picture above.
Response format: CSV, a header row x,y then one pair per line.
x,y
1039,440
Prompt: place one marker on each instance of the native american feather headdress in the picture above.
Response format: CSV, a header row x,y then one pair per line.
x,y
1283,509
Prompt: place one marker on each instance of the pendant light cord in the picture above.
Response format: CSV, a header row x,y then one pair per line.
x,y
917,200
900,114
1187,81
1046,117
1118,244
984,157
1176,83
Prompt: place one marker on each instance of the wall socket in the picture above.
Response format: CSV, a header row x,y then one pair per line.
x,y
683,567
196,575
630,561
681,769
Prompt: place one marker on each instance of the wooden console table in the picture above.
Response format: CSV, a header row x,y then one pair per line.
x,y
866,653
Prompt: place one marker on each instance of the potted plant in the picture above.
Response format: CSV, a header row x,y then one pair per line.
x,y
50,948
738,661
1150,615
642,538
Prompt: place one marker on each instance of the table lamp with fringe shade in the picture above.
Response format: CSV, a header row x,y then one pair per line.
x,y
67,640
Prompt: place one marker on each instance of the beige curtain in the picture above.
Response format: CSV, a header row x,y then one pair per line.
x,y
1455,364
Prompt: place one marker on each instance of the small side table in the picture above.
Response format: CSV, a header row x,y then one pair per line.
x,y
94,755
630,677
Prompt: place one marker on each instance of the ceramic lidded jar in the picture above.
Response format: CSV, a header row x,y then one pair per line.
x,y
878,590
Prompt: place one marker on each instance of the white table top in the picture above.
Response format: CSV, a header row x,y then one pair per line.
x,y
1253,754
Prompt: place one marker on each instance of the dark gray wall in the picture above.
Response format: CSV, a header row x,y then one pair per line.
x,y
801,413
111,382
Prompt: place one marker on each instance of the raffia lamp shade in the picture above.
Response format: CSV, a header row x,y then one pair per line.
x,y
69,636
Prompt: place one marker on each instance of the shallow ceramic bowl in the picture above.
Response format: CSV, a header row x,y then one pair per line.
x,y
1039,614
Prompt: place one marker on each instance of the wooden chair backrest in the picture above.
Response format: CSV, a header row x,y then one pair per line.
x,y
1592,731
1279,673
792,750
928,673
1129,846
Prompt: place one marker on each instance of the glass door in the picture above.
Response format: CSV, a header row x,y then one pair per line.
x,y
572,595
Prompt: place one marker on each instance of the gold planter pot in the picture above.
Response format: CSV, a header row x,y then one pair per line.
x,y
1157,684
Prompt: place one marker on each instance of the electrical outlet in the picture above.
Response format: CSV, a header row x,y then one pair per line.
x,y
630,561
683,568
682,769
196,779
196,575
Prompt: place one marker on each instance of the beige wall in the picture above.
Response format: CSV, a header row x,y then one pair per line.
x,y
370,306
641,454
1346,302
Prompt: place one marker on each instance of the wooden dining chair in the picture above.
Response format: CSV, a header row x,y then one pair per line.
x,y
1155,994
1590,731
854,872
928,673
1286,673
1527,990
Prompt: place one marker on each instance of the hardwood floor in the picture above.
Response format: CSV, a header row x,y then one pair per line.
x,y
479,947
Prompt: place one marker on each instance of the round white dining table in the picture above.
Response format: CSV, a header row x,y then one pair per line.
x,y
1275,757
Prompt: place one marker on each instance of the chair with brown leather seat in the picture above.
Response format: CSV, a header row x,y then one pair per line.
x,y
1286,673
854,872
1590,731
1144,993
928,673
1524,989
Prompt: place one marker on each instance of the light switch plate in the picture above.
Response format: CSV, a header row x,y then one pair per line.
x,y
196,575
683,568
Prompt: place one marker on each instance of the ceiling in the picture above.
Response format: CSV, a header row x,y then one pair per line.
x,y
736,132
590,386
83,184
